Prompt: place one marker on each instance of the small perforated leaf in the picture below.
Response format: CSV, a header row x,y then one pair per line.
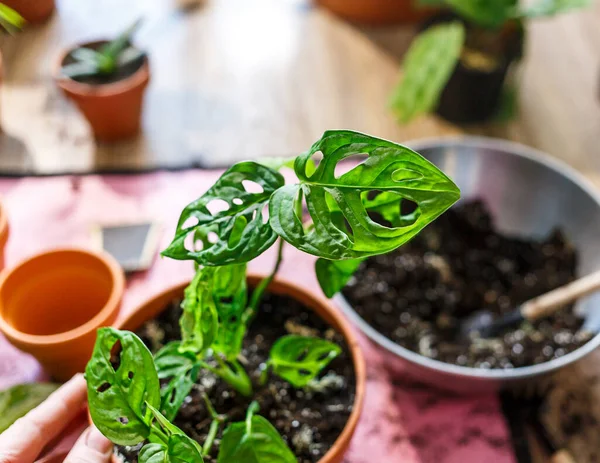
x,y
299,359
199,321
117,398
171,360
179,449
426,69
241,233
334,274
389,168
258,443
230,294
181,368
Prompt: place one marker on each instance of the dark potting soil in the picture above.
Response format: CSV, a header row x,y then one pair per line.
x,y
310,421
460,264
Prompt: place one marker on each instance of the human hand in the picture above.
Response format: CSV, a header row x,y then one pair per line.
x,y
26,438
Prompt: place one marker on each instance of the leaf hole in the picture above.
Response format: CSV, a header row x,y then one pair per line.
x,y
130,375
265,213
217,205
304,372
237,201
372,194
252,187
233,319
302,356
378,219
115,355
103,387
123,420
408,207
212,237
347,164
190,222
325,356
173,395
313,163
226,300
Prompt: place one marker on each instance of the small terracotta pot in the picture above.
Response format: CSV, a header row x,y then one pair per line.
x,y
377,12
113,110
4,232
52,304
34,11
321,306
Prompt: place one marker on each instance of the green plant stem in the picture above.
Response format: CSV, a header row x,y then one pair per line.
x,y
237,379
210,438
252,409
264,375
264,284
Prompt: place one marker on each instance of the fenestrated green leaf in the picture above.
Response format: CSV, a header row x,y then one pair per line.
x,y
427,67
552,7
199,321
299,359
389,168
118,398
256,441
486,13
16,401
230,294
240,232
334,274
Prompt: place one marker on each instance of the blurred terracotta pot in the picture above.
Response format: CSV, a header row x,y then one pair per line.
x,y
114,110
34,11
4,228
377,12
52,304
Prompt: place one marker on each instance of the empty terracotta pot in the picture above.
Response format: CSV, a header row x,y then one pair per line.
x,y
4,232
52,304
34,11
114,110
377,12
323,307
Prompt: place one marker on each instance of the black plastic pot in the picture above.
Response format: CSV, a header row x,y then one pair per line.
x,y
474,95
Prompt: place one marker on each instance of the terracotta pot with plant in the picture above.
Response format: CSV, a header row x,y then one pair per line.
x,y
250,369
107,81
34,11
377,12
458,65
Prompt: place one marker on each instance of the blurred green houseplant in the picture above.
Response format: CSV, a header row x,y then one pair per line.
x,y
463,56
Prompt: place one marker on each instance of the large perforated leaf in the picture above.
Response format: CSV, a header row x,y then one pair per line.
x,y
121,381
237,234
389,168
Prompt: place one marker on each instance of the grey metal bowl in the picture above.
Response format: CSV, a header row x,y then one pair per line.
x,y
529,194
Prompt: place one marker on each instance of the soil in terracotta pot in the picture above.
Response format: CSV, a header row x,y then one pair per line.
x,y
416,295
122,72
309,421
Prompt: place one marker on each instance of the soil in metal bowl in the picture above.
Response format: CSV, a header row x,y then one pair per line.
x,y
310,420
416,295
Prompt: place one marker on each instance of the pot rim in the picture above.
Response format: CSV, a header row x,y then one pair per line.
x,y
311,301
138,78
4,227
111,306
518,373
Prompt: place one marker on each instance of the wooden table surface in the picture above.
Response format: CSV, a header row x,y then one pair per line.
x,y
238,79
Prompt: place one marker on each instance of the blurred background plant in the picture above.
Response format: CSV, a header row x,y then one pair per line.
x,y
458,65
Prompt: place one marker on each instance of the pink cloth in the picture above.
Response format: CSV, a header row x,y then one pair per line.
x,y
401,422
